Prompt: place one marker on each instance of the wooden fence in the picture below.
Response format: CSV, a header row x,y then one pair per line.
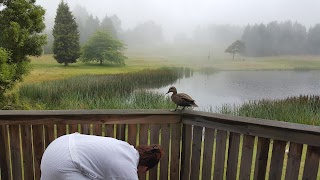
x,y
197,145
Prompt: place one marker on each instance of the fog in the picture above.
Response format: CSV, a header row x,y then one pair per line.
x,y
182,15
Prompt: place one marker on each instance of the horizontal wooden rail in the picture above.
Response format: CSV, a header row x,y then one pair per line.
x,y
88,116
286,131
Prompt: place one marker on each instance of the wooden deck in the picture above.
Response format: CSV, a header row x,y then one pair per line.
x,y
197,145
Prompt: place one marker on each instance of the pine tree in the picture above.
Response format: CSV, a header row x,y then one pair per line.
x,y
66,47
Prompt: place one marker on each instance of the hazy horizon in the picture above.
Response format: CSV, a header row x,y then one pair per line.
x,y
184,15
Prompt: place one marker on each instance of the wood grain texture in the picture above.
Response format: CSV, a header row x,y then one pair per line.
x,y
143,140
164,161
233,154
27,151
196,152
15,151
208,153
311,165
246,157
261,158
175,150
38,143
186,152
293,162
132,134
221,140
277,159
154,139
4,153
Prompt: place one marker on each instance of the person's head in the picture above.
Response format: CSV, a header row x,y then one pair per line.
x,y
149,156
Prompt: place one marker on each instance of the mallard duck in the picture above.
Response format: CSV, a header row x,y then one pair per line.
x,y
181,99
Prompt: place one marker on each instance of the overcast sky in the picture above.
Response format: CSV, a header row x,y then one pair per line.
x,y
179,15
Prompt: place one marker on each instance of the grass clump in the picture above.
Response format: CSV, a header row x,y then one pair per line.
x,y
303,109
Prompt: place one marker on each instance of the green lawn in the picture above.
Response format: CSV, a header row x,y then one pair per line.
x,y
46,68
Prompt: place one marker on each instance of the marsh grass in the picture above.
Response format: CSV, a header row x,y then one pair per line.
x,y
303,109
115,91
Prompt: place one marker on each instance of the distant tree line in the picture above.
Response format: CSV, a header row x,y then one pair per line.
x,y
284,38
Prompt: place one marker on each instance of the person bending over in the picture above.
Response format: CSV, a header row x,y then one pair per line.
x,y
82,157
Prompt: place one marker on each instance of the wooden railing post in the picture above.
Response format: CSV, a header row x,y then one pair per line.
x,y
4,153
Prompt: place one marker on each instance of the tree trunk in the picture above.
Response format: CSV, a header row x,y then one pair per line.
x,y
233,56
66,64
101,62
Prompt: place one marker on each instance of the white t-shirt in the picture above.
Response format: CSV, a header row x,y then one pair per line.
x,y
93,157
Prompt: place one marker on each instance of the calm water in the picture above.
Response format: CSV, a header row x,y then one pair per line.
x,y
237,87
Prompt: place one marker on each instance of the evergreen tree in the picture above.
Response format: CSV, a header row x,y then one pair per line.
x,y
66,47
107,24
21,23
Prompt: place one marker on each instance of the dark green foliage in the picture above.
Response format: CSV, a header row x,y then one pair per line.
x,y
313,40
284,38
21,23
103,48
236,47
66,47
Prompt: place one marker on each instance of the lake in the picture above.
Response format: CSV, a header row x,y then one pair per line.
x,y
236,87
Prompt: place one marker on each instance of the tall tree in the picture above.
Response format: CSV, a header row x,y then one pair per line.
x,y
102,47
66,47
107,24
21,23
236,47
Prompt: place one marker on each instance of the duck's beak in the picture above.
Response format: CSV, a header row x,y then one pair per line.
x,y
167,92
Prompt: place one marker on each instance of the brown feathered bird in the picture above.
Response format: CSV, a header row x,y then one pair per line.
x,y
181,99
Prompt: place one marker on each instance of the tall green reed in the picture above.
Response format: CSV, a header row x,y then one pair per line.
x,y
303,109
101,91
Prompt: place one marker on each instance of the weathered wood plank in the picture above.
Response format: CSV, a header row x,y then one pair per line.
x,y
143,140
196,152
89,117
132,134
233,154
4,153
311,165
294,160
49,133
246,158
27,151
38,145
97,129
121,132
85,129
207,153
186,152
307,135
221,140
15,151
73,128
175,150
61,130
261,158
110,130
164,161
277,159
154,139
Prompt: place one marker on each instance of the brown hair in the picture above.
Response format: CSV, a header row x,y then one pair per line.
x,y
149,155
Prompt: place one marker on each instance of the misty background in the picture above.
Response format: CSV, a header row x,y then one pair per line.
x,y
202,29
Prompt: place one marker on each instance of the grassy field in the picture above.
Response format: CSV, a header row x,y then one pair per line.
x,y
46,68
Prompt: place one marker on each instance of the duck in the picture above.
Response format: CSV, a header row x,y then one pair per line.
x,y
181,99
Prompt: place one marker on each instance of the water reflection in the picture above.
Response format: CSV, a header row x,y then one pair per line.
x,y
236,87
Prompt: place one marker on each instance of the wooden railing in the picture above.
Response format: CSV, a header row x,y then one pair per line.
x,y
197,145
